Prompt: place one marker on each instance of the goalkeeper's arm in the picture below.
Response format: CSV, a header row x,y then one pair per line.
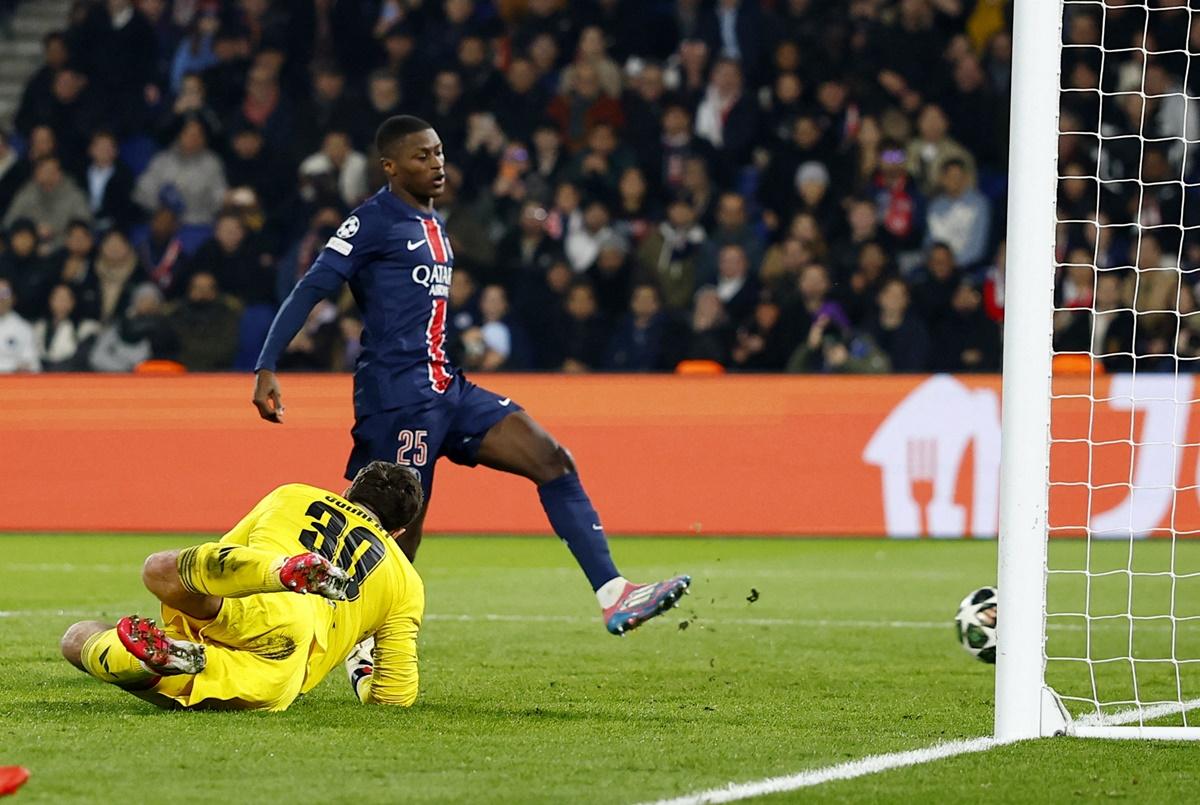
x,y
383,668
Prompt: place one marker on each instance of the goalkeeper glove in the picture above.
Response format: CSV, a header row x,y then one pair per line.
x,y
359,667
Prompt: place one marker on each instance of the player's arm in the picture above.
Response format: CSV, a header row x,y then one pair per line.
x,y
336,263
386,672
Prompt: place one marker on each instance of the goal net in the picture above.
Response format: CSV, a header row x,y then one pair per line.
x,y
1102,427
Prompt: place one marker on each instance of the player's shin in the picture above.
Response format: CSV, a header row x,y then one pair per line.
x,y
103,657
574,519
229,571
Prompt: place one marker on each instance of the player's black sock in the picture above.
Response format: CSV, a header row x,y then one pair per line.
x,y
575,521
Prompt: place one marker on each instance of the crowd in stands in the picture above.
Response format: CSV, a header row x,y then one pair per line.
x,y
797,185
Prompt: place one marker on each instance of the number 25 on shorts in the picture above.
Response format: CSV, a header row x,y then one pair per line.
x,y
412,441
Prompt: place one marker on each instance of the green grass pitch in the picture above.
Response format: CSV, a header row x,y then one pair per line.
x,y
847,651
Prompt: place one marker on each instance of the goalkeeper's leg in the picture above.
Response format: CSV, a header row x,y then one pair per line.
x,y
195,580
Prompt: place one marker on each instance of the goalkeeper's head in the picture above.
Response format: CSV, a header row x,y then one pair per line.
x,y
392,492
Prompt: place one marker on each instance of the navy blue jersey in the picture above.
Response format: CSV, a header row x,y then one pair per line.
x,y
398,262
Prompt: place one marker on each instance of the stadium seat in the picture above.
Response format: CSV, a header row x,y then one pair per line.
x,y
136,152
1077,365
160,367
193,236
699,368
252,332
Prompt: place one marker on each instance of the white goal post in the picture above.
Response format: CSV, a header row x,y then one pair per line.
x,y
1101,627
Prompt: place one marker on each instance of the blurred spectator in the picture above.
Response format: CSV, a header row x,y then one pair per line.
x,y
56,55
195,51
18,348
51,200
764,342
733,229
161,251
109,184
669,252
582,104
813,300
933,148
965,339
188,170
120,58
896,197
667,159
30,274
75,269
639,341
859,294
585,232
206,324
711,335
61,334
612,275
727,117
140,333
898,331
527,251
581,333
959,216
232,257
933,290
14,171
831,349
496,343
447,110
250,163
337,168
520,102
735,30
735,287
117,273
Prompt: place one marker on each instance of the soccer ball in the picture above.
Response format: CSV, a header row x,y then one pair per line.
x,y
975,624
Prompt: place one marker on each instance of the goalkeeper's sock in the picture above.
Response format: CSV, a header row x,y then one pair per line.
x,y
105,658
229,571
575,521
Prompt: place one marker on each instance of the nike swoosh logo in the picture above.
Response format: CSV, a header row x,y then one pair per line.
x,y
505,402
597,527
414,246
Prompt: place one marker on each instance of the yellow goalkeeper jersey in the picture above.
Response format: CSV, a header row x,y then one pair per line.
x,y
386,598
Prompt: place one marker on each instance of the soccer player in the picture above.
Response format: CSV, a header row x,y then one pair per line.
x,y
411,405
235,633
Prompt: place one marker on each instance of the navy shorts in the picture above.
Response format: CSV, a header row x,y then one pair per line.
x,y
452,425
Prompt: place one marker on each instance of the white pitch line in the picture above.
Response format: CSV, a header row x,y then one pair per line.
x,y
873,764
491,617
1137,715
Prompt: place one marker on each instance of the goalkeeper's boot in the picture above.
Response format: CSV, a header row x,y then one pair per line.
x,y
641,602
159,653
313,573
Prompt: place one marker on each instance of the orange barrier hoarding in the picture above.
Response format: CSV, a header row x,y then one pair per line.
x,y
901,456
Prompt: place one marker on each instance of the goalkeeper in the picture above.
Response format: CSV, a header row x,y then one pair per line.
x,y
235,634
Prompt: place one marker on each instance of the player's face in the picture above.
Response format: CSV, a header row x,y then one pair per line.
x,y
418,165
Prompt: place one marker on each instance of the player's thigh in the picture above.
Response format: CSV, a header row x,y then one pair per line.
x,y
413,438
258,649
496,432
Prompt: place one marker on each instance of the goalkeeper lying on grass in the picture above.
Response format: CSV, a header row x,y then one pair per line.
x,y
236,635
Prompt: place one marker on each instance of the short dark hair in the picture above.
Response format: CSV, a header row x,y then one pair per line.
x,y
395,129
391,491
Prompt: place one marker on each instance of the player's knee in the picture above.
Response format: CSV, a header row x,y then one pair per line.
x,y
555,462
159,573
71,644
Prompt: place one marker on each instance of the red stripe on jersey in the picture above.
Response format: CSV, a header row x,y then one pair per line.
x,y
435,337
437,247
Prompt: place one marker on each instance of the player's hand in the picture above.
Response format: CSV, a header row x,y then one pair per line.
x,y
268,399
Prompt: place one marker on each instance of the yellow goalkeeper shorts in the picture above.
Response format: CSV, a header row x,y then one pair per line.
x,y
257,648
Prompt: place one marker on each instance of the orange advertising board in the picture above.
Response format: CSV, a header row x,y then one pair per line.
x,y
778,455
